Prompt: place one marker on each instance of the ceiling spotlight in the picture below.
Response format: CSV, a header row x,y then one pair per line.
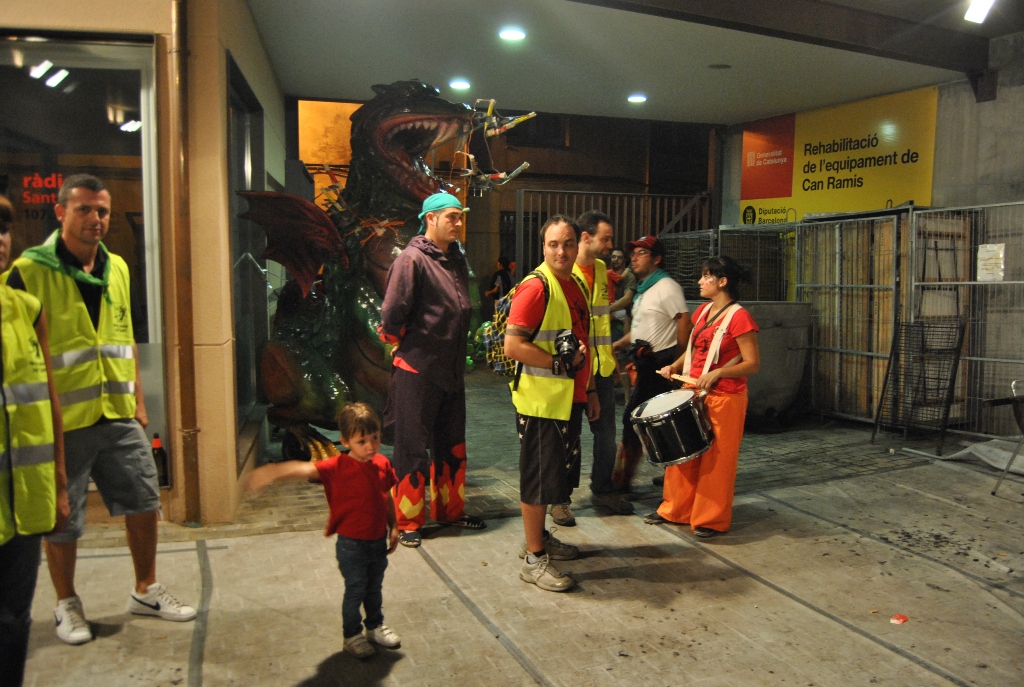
x,y
40,69
719,66
459,84
71,87
978,10
56,78
637,98
512,33
131,125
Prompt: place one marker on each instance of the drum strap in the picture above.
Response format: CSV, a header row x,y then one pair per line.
x,y
716,341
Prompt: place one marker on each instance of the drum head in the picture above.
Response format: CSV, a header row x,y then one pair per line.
x,y
663,403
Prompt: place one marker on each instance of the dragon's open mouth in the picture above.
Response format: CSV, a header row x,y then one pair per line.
x,y
404,140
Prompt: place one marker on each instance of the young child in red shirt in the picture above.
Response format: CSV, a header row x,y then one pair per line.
x,y
362,513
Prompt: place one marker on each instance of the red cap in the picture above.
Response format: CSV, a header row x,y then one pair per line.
x,y
156,441
651,243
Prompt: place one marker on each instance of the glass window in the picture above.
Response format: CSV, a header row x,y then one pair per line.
x,y
68,107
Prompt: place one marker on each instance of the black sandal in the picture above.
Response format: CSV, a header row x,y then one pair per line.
x,y
656,519
470,522
410,538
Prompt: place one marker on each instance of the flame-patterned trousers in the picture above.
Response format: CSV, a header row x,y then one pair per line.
x,y
426,417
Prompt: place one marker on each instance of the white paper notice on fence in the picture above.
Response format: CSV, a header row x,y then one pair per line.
x,y
991,261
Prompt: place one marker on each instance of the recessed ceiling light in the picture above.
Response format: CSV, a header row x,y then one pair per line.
x,y
40,69
512,33
131,125
978,10
719,66
56,78
459,84
637,98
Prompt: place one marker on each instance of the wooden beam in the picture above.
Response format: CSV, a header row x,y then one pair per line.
x,y
828,25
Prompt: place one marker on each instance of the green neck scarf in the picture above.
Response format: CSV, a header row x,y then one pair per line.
x,y
46,255
652,279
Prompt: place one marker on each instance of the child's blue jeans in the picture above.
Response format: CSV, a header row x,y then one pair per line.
x,y
362,564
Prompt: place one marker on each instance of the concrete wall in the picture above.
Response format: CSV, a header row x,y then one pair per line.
x,y
216,29
979,147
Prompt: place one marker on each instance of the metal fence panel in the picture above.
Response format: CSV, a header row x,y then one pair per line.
x,y
969,263
633,215
848,271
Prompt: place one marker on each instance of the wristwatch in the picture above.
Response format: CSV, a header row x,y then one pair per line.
x,y
556,366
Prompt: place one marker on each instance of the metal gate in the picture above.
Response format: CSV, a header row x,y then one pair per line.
x,y
848,270
969,263
633,215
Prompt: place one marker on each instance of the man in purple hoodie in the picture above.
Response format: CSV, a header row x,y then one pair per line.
x,y
426,315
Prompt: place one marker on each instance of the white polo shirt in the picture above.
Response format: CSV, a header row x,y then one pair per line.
x,y
654,312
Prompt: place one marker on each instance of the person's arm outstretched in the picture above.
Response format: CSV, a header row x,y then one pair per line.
x,y
262,477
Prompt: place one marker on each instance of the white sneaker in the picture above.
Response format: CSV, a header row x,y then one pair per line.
x,y
384,636
357,644
157,602
72,627
545,575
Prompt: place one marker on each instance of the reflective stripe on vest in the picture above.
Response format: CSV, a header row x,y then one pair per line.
x,y
603,360
93,366
26,466
87,355
540,393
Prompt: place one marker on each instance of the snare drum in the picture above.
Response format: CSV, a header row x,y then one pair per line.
x,y
673,426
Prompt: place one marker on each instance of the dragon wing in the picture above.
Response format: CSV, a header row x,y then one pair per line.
x,y
300,235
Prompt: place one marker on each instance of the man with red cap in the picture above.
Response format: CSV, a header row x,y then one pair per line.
x,y
426,315
661,324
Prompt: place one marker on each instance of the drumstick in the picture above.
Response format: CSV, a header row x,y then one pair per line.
x,y
684,378
691,380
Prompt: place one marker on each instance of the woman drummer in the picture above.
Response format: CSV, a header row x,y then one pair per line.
x,y
700,492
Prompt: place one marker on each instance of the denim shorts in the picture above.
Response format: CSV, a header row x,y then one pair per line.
x,y
118,458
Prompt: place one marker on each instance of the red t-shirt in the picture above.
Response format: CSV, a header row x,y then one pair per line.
x,y
527,311
741,323
356,495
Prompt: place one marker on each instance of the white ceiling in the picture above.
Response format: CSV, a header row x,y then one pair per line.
x,y
576,59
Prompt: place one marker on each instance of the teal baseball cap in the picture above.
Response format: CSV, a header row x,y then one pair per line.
x,y
438,201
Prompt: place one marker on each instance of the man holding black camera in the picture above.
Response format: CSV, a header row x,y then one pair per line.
x,y
661,325
547,333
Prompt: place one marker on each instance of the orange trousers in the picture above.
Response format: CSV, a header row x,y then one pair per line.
x,y
700,492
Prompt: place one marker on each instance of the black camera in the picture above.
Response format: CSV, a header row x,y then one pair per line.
x,y
566,346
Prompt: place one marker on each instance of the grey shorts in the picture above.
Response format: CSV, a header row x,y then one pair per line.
x,y
118,458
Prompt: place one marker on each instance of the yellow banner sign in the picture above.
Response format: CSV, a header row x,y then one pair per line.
x,y
866,155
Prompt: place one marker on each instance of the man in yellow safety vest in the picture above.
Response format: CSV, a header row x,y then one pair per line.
x,y
85,292
548,334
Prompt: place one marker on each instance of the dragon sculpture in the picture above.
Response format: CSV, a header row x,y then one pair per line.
x,y
324,349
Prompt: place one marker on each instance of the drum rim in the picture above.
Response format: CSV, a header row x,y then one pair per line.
x,y
633,415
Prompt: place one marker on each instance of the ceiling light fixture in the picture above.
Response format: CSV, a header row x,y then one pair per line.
x,y
459,84
978,10
131,125
637,98
512,33
54,80
40,69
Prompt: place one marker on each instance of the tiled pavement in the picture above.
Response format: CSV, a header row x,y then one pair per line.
x,y
832,536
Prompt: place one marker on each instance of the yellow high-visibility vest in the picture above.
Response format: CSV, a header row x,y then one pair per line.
x,y
93,368
603,360
539,392
26,444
